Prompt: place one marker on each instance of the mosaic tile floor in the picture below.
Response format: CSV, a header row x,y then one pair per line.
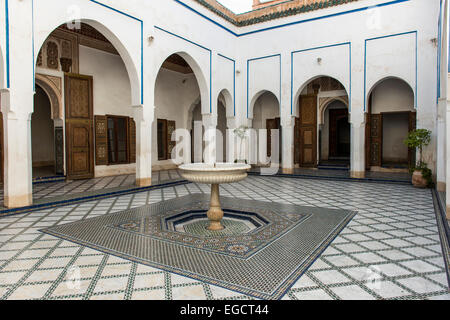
x,y
47,192
390,250
263,263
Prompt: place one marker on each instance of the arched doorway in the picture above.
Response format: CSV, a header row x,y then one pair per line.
x,y
322,130
43,133
221,138
178,102
334,134
97,83
391,116
266,115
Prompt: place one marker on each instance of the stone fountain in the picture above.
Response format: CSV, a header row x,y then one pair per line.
x,y
214,174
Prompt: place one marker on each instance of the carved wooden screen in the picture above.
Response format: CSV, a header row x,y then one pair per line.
x,y
79,126
132,140
101,140
171,127
376,139
412,126
308,131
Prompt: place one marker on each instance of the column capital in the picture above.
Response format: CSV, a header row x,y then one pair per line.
x,y
288,122
209,120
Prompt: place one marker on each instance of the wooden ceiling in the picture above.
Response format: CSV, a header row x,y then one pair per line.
x,y
176,63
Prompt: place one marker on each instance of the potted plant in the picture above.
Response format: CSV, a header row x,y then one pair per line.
x,y
241,132
422,175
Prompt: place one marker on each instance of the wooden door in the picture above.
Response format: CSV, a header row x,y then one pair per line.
x,y
79,126
308,131
376,140
271,124
335,116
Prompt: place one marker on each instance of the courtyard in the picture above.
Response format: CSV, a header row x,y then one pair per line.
x,y
390,249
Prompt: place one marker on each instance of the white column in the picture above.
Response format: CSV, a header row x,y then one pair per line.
x,y
287,147
447,160
231,140
144,120
357,144
210,126
18,185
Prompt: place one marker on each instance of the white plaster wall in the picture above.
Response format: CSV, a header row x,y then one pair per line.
x,y
325,132
175,94
395,131
202,40
266,107
111,84
42,130
392,95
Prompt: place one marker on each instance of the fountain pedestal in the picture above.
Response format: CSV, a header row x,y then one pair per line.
x,y
215,212
214,174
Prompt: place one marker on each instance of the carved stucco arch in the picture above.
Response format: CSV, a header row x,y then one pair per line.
x,y
52,86
325,102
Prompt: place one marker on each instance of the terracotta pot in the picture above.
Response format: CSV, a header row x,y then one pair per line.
x,y
418,180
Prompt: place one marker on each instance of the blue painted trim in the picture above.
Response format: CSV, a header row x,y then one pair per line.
x,y
291,23
8,71
142,40
248,79
202,47
206,18
317,48
365,63
234,80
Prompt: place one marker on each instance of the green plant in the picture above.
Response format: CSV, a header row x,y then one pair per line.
x,y
418,139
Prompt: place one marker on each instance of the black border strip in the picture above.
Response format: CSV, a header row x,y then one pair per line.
x,y
444,231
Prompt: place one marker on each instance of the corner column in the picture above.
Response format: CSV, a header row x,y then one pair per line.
x,y
18,180
144,122
287,140
357,145
210,126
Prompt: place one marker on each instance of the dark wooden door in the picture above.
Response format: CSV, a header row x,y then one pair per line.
x,y
376,139
271,124
335,116
79,126
308,131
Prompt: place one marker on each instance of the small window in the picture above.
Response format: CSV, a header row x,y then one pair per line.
x,y
117,140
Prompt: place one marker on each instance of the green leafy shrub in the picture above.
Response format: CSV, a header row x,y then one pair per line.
x,y
418,139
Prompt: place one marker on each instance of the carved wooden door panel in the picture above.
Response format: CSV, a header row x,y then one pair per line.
x,y
376,139
412,126
79,126
308,131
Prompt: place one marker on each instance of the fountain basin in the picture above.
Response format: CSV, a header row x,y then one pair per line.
x,y
214,174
